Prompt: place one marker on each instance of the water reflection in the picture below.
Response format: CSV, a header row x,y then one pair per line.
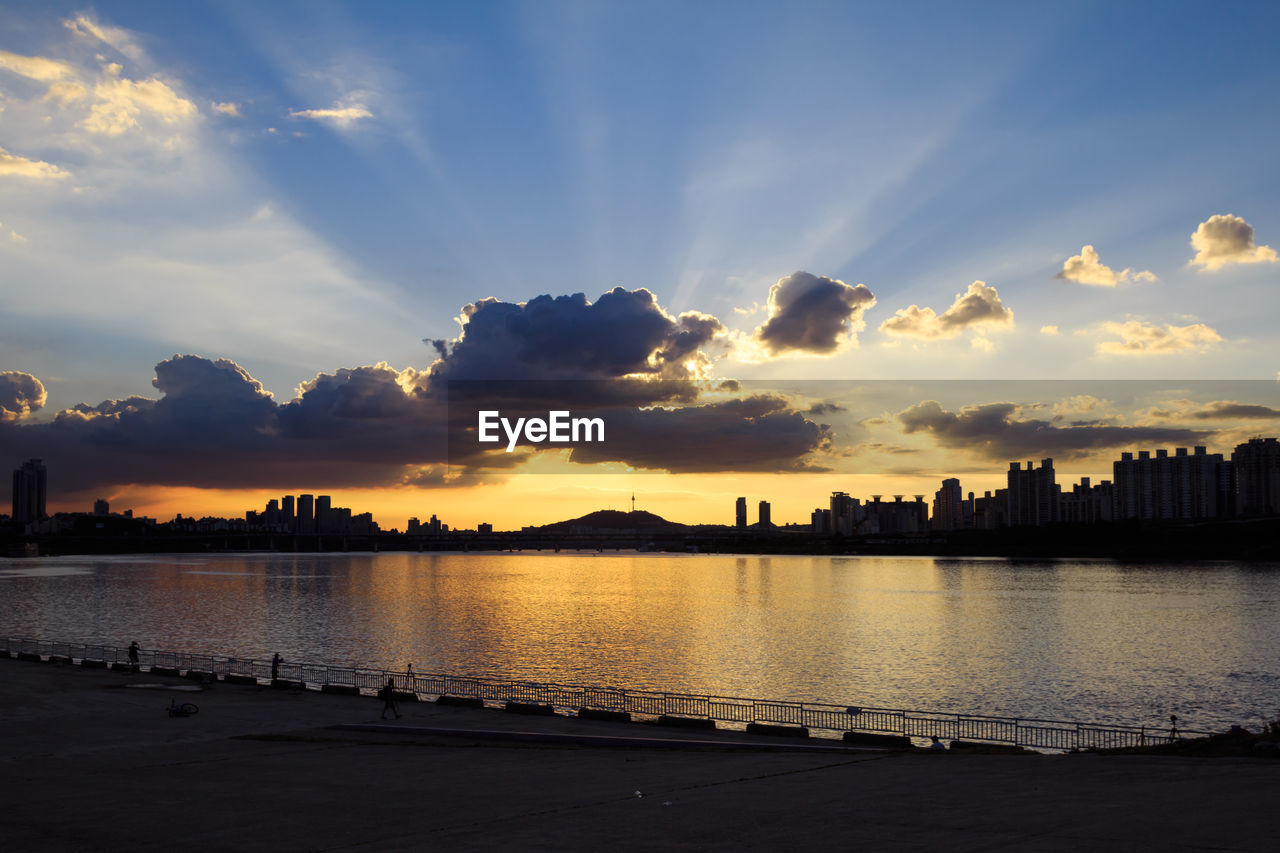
x,y
1071,639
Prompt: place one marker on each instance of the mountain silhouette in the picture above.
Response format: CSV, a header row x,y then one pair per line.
x,y
616,520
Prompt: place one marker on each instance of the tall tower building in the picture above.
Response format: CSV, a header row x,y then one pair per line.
x,y
30,486
948,506
287,512
324,517
765,520
306,516
740,513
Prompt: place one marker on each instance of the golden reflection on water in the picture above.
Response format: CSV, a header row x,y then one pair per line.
x,y
1035,638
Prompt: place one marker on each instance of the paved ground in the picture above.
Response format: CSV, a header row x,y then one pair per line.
x,y
89,763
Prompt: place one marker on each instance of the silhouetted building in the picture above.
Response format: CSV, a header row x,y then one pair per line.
x,y
948,506
1182,487
764,515
101,507
1033,494
1086,504
306,514
1256,466
989,510
740,513
484,527
897,517
30,490
323,510
846,513
820,522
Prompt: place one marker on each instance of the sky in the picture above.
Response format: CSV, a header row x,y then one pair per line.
x,y
245,248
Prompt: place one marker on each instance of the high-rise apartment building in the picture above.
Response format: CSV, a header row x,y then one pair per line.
x,y
1256,466
740,513
30,490
1181,487
948,506
306,514
324,514
765,520
1033,494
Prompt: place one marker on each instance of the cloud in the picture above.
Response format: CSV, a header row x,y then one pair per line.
x,y
623,333
35,67
1218,410
123,105
340,115
977,307
1085,268
65,93
1050,330
114,37
1225,239
215,426
757,433
813,314
992,430
13,164
1139,338
20,395
226,108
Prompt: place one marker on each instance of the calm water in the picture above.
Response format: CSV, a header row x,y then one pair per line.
x,y
1070,639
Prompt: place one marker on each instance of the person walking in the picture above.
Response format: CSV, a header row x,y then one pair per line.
x,y
388,697
275,667
133,654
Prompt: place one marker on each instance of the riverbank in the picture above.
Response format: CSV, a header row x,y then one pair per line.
x,y
90,762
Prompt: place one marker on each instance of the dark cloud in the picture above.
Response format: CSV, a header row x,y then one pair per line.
x,y
756,433
992,431
215,426
566,337
815,314
824,408
107,408
20,395
1229,410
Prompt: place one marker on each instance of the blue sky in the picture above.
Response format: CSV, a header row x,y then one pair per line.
x,y
304,187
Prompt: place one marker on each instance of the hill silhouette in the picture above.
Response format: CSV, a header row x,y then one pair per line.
x,y
613,519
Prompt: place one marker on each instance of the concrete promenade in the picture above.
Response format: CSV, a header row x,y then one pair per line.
x,y
88,762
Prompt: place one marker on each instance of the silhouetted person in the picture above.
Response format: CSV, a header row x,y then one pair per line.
x,y
408,677
133,653
388,696
934,743
275,666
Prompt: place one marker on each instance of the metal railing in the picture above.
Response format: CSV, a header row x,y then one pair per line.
x,y
831,720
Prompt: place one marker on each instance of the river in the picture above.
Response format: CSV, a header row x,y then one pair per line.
x,y
1089,640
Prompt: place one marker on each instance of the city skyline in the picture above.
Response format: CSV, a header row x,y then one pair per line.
x,y
1167,484
711,211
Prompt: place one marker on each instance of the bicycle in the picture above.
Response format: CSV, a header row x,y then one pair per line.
x,y
185,709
